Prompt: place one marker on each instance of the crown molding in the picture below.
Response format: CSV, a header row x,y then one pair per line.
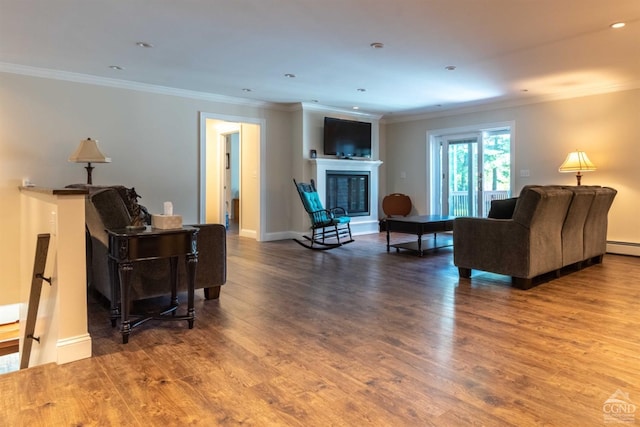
x,y
126,84
480,106
306,106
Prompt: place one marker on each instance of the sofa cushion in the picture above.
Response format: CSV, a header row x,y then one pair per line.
x,y
573,228
313,205
595,225
502,209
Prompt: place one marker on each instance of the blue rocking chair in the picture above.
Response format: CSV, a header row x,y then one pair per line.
x,y
330,228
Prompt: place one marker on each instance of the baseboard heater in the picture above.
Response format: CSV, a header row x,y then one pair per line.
x,y
623,248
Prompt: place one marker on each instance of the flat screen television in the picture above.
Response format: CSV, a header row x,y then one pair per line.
x,y
347,138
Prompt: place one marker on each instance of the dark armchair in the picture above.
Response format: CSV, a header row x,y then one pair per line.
x,y
106,208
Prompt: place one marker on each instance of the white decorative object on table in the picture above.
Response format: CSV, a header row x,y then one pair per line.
x,y
167,220
168,208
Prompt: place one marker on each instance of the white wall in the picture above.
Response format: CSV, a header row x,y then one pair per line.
x,y
152,138
606,126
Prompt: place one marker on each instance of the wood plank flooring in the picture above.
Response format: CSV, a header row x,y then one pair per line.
x,y
352,337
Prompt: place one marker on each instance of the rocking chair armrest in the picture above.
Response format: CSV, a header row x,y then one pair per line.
x,y
322,216
338,211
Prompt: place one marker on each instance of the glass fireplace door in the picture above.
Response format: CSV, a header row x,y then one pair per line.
x,y
348,190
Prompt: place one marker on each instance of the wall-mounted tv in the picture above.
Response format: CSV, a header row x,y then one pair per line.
x,y
347,138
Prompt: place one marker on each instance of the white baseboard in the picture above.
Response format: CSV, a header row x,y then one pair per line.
x,y
282,235
248,233
365,227
623,248
74,348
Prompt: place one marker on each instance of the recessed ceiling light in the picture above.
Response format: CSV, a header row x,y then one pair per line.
x,y
116,67
290,76
377,45
450,67
356,108
246,89
144,44
361,89
315,100
617,25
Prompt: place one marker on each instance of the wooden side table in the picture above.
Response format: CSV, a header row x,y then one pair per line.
x,y
128,247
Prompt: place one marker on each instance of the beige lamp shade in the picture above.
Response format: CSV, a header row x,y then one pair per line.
x,y
88,152
577,161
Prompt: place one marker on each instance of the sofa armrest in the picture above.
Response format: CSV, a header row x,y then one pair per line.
x,y
211,272
498,245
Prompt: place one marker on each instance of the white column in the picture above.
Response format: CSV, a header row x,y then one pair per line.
x,y
61,324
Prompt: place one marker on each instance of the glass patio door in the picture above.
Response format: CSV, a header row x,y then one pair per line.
x,y
461,179
476,168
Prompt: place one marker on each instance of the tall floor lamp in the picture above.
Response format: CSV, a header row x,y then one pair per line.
x,y
88,152
577,161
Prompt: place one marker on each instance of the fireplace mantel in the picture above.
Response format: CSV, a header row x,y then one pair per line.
x,y
346,164
360,224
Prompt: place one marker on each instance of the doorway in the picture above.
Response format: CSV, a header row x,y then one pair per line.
x,y
231,158
470,170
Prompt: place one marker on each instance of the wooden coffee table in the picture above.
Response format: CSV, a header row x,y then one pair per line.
x,y
419,225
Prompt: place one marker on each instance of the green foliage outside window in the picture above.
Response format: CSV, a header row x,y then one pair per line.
x,y
497,160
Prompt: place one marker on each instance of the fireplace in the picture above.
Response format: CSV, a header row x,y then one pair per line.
x,y
363,206
349,190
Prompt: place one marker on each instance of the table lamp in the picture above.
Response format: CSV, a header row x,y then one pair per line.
x,y
88,152
577,161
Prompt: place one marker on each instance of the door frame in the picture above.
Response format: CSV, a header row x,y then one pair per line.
x,y
434,184
205,118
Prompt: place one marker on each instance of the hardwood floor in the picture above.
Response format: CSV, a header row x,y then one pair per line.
x,y
356,336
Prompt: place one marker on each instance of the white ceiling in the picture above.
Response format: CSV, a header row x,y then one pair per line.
x,y
503,50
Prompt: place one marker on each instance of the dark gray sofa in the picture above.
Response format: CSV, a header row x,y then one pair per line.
x,y
552,227
110,207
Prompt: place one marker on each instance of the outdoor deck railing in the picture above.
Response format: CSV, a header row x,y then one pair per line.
x,y
459,202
